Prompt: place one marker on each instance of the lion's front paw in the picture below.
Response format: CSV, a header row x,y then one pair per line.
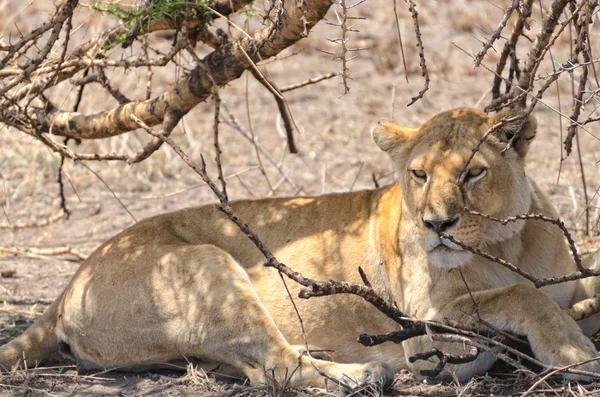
x,y
567,355
566,350
359,375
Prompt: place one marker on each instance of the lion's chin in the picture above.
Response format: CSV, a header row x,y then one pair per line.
x,y
447,258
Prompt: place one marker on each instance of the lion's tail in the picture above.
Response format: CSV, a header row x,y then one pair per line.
x,y
38,342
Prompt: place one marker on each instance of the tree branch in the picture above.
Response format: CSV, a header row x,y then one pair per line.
x,y
220,67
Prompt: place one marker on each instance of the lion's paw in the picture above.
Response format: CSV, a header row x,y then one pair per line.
x,y
567,355
578,348
360,375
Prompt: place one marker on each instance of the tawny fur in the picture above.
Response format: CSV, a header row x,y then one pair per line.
x,y
189,283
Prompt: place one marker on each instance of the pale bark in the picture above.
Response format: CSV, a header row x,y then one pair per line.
x,y
223,65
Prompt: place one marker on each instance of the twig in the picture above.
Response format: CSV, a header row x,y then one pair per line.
x,y
578,98
253,139
540,217
509,46
110,190
360,167
492,258
502,122
495,105
169,123
65,13
283,107
580,48
314,80
29,38
400,42
237,125
496,34
101,79
375,180
538,283
393,104
45,251
342,20
542,40
217,147
438,330
445,358
555,371
415,16
61,188
68,27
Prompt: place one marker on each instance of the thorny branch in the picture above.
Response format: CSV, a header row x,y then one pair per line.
x,y
561,19
540,217
581,48
538,283
25,81
217,146
509,47
224,64
496,34
343,22
415,16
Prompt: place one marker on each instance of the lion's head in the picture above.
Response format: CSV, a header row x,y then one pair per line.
x,y
429,160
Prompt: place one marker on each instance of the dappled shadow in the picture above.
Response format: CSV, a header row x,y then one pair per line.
x,y
162,289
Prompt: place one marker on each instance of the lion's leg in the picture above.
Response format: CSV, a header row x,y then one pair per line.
x,y
228,323
587,288
554,337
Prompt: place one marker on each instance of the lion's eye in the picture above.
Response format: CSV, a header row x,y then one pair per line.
x,y
475,174
418,175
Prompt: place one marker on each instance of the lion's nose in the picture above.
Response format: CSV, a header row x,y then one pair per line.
x,y
439,224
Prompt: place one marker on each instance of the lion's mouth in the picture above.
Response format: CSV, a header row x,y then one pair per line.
x,y
443,253
440,243
444,248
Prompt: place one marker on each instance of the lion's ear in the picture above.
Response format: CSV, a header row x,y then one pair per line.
x,y
523,124
389,136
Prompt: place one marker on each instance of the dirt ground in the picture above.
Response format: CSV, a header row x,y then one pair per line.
x,y
336,154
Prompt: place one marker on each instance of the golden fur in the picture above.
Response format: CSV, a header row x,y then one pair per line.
x,y
188,283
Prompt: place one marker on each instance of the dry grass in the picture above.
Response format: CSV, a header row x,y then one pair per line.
x,y
336,154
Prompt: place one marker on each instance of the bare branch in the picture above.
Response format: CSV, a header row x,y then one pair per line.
x,y
415,16
540,217
221,66
540,46
496,34
282,105
217,147
509,46
314,80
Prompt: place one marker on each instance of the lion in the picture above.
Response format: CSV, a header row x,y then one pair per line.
x,y
190,284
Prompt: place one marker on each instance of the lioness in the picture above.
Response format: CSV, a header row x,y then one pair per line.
x,y
189,283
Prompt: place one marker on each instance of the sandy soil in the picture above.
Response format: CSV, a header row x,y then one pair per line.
x,y
336,154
